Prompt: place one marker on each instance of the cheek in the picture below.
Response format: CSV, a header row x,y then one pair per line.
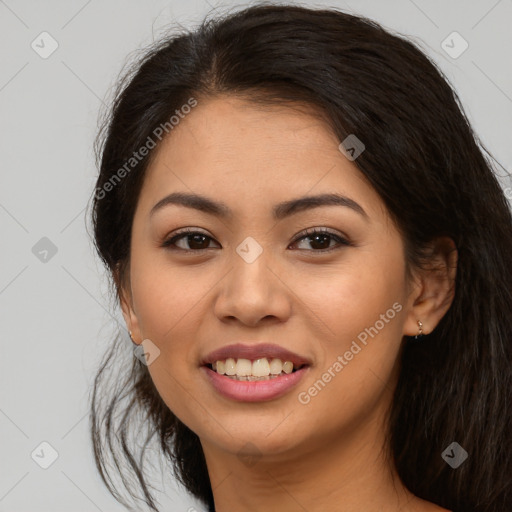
x,y
361,308
352,297
169,304
166,298
163,318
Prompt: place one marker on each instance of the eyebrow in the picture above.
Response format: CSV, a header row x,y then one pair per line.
x,y
279,211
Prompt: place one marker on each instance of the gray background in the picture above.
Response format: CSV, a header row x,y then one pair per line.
x,y
56,320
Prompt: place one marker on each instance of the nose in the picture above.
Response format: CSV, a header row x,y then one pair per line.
x,y
253,292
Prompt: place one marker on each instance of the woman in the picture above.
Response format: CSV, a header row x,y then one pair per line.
x,y
313,260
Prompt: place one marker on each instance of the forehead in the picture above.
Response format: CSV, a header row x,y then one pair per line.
x,y
228,129
236,150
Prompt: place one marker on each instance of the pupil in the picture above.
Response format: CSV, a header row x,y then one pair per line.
x,y
195,239
315,238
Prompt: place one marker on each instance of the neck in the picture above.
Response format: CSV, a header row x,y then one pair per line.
x,y
349,473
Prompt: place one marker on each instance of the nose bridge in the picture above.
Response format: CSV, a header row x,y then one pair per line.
x,y
251,290
250,270
250,250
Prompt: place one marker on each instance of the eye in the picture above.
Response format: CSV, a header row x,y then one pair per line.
x,y
321,238
196,240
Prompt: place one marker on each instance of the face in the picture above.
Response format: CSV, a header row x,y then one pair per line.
x,y
339,298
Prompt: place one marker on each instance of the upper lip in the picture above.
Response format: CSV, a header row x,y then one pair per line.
x,y
268,350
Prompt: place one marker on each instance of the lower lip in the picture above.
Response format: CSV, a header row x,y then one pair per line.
x,y
255,391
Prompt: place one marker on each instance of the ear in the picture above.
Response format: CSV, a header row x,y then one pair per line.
x,y
124,294
434,288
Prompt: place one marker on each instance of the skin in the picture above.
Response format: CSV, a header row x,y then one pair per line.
x,y
328,454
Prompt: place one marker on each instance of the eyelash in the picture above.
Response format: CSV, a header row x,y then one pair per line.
x,y
308,233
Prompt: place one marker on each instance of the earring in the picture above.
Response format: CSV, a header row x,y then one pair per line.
x,y
133,341
420,333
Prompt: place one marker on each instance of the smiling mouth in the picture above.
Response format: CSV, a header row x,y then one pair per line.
x,y
254,370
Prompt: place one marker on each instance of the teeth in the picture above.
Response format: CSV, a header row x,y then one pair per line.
x,y
259,369
287,367
276,366
251,378
243,367
230,368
